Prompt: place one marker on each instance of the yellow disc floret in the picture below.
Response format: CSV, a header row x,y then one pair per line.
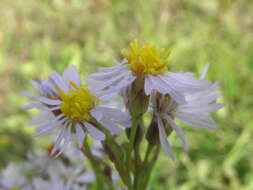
x,y
78,102
146,59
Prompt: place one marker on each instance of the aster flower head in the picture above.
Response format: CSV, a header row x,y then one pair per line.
x,y
194,112
150,64
72,107
73,174
13,178
55,184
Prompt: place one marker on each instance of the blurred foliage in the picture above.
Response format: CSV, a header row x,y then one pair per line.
x,y
37,37
13,146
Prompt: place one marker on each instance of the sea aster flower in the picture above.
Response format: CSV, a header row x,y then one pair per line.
x,y
55,184
149,65
69,105
13,178
75,174
195,112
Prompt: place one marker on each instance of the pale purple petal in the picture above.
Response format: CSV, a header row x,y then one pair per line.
x,y
40,106
196,120
87,177
58,80
112,81
109,73
94,132
50,101
122,84
47,130
41,118
188,81
200,108
204,73
110,126
173,89
106,97
47,88
114,114
164,88
30,106
158,87
71,74
80,135
29,94
98,115
49,126
67,138
52,109
148,86
163,139
179,131
207,95
126,123
35,84
59,139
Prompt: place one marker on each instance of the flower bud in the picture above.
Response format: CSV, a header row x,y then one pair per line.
x,y
135,98
152,135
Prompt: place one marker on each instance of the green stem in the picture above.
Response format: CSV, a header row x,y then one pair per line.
x,y
130,146
150,165
148,151
116,159
143,169
96,167
132,137
138,163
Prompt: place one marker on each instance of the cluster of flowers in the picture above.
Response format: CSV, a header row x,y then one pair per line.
x,y
40,171
77,109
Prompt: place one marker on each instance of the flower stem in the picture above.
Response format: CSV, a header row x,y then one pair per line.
x,y
131,144
150,165
101,178
115,157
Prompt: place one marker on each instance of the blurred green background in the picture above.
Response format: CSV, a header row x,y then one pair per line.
x,y
37,37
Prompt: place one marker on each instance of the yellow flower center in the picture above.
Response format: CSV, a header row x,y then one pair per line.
x,y
78,102
146,59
